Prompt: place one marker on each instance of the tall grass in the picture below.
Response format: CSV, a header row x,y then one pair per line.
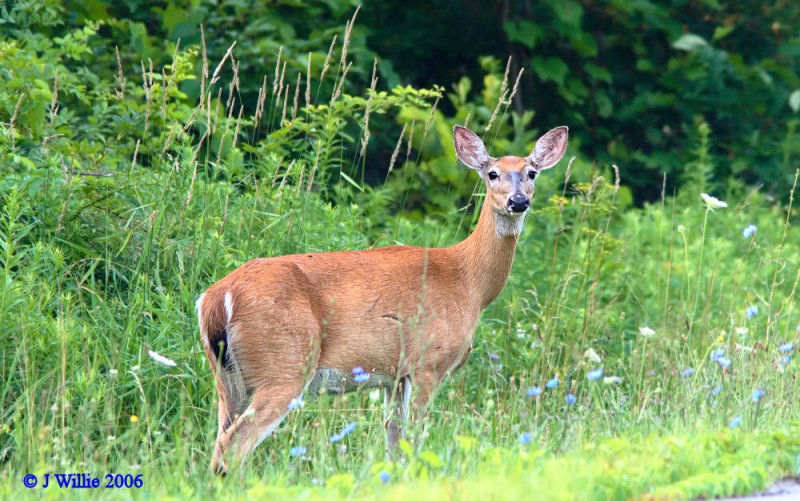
x,y
101,261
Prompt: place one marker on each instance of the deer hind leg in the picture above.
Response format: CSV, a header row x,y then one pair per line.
x,y
267,410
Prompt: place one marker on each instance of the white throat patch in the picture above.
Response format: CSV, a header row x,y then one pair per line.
x,y
509,225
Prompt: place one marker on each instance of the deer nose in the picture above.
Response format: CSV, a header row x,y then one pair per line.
x,y
518,203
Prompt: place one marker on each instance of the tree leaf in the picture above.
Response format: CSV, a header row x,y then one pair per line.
x,y
794,101
550,68
690,42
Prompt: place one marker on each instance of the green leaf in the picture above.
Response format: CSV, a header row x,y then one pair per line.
x,y
550,68
794,101
431,459
721,32
350,180
690,42
525,32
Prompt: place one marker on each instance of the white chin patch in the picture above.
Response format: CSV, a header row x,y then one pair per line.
x,y
509,225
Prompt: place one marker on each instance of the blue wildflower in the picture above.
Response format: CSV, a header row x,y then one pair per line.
x,y
384,476
296,403
786,347
534,391
571,399
733,423
751,311
348,429
687,372
716,390
526,438
724,362
594,375
553,383
749,231
297,451
718,353
358,370
361,378
757,394
786,360
494,356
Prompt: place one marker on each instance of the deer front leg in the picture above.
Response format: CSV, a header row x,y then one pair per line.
x,y
396,403
424,386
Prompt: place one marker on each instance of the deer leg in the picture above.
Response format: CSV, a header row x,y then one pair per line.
x,y
396,403
266,411
425,385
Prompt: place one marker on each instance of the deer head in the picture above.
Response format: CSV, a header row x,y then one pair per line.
x,y
510,180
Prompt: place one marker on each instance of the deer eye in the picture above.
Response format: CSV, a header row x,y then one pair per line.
x,y
493,175
531,174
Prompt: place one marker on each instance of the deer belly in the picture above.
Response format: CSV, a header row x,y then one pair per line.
x,y
338,381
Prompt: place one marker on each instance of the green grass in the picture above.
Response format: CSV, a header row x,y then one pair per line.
x,y
96,270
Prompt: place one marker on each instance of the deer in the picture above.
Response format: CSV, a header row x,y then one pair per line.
x,y
399,318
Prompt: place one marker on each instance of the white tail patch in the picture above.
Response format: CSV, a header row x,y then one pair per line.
x,y
229,306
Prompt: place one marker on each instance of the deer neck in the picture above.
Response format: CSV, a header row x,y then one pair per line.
x,y
488,253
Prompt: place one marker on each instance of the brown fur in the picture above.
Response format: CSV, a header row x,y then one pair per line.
x,y
405,312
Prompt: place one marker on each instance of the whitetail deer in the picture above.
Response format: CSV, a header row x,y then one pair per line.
x,y
278,328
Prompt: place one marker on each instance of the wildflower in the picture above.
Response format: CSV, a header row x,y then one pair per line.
x,y
297,451
687,372
716,354
733,423
786,347
713,202
113,372
494,356
786,360
749,231
757,394
134,418
361,378
594,375
296,403
741,331
716,390
553,383
526,438
681,228
111,438
161,359
612,380
646,331
348,429
724,362
751,311
534,391
592,356
571,399
384,477
358,370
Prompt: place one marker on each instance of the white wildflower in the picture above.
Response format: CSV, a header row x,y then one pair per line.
x,y
713,202
647,331
592,356
612,380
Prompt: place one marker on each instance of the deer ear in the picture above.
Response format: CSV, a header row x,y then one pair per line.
x,y
470,149
549,148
